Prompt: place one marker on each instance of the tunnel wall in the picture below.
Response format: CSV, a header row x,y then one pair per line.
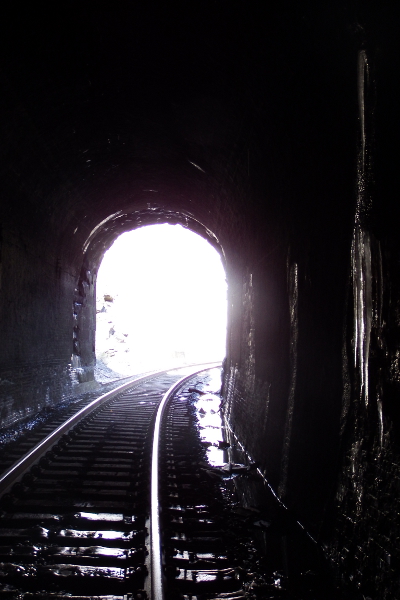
x,y
36,317
364,521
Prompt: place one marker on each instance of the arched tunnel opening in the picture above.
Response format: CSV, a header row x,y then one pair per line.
x,y
208,317
273,137
160,302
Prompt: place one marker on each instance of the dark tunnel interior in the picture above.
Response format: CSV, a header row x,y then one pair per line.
x,y
272,131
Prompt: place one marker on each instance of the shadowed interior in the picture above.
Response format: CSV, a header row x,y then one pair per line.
x,y
272,134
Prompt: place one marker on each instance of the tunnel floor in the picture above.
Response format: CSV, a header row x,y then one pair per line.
x,y
274,555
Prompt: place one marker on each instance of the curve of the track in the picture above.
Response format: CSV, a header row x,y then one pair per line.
x,y
74,513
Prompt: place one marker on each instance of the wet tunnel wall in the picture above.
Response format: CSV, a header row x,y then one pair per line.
x,y
271,136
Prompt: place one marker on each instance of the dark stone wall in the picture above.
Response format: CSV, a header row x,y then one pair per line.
x,y
249,127
36,319
363,522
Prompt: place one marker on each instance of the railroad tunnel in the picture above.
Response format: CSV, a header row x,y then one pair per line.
x,y
274,135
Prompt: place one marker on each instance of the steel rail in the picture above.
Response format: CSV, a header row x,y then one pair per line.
x,y
19,468
157,580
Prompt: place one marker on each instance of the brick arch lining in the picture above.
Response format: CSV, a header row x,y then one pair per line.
x,y
83,357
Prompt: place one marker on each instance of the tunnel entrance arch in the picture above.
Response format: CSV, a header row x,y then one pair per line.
x,y
160,302
98,242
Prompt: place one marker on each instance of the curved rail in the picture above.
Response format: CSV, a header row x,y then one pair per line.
x,y
157,583
17,470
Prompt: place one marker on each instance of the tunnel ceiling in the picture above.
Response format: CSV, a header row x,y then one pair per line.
x,y
170,111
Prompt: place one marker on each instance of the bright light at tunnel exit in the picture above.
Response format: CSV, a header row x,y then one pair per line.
x,y
161,301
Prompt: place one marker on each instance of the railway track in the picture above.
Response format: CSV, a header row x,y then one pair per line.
x,y
75,510
123,501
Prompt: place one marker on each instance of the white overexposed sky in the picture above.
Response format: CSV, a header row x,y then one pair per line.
x,y
170,294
